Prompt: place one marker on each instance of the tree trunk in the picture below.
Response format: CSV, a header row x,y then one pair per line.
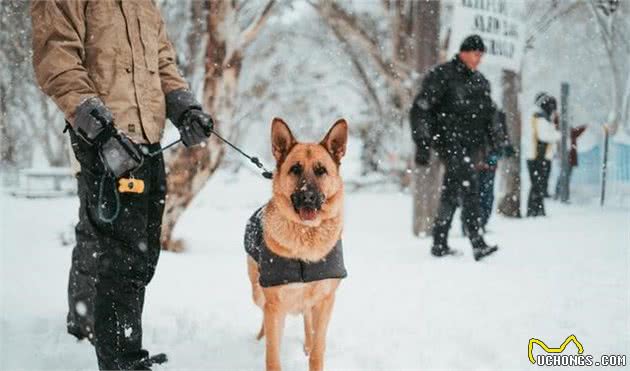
x,y
190,168
426,194
510,168
427,179
7,141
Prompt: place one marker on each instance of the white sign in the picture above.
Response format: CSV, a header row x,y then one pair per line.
x,y
498,22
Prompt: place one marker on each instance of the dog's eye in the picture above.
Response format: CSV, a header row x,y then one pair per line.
x,y
320,170
296,169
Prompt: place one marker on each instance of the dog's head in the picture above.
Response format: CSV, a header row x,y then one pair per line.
x,y
307,181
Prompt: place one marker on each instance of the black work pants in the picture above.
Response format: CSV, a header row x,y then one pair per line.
x,y
113,262
538,170
546,168
460,178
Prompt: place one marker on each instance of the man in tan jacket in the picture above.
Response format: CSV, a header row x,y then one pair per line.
x,y
111,69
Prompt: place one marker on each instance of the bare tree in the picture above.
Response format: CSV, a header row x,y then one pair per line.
x,y
614,27
27,118
190,168
45,125
412,38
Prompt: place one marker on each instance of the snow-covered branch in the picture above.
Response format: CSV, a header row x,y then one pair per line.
x,y
249,34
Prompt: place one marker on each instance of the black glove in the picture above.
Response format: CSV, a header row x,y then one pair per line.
x,y
120,155
186,114
195,127
94,124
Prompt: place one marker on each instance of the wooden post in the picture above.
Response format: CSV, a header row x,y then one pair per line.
x,y
563,182
604,166
510,204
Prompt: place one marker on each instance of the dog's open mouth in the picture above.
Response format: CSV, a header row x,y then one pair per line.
x,y
307,213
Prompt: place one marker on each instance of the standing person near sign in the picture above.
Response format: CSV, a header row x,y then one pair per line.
x,y
541,150
548,165
453,113
110,68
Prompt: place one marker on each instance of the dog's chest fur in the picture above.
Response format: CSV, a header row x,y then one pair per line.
x,y
297,241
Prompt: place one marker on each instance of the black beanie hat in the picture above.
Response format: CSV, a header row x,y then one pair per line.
x,y
540,98
546,102
472,42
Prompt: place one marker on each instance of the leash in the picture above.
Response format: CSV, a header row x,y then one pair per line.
x,y
110,219
266,173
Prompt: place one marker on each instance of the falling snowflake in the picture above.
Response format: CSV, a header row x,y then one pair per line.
x,y
81,308
142,246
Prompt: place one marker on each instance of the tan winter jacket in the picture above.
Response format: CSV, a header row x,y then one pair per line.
x,y
116,50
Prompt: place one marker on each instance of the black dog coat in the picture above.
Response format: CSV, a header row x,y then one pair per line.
x,y
276,270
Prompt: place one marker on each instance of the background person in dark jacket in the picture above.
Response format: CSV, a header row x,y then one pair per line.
x,y
544,137
487,170
453,113
110,68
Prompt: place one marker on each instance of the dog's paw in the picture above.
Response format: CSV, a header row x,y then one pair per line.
x,y
261,333
307,350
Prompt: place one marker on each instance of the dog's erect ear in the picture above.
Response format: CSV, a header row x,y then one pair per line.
x,y
336,139
281,139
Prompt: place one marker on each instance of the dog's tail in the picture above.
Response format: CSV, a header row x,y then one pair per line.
x,y
261,333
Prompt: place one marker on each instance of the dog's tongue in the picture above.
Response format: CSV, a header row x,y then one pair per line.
x,y
306,213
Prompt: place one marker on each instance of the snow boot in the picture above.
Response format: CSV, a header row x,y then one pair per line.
x,y
147,362
440,250
481,249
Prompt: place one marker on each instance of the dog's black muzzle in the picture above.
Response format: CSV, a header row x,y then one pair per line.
x,y
308,198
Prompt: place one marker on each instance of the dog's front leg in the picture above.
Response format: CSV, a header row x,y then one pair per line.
x,y
321,317
308,331
273,324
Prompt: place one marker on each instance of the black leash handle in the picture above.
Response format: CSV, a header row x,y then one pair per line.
x,y
266,173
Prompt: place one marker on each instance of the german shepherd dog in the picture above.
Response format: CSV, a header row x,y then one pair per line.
x,y
294,262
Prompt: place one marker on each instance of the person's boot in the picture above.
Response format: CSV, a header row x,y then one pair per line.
x,y
147,362
441,248
481,249
133,361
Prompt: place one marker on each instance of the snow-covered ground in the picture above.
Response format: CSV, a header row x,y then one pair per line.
x,y
399,308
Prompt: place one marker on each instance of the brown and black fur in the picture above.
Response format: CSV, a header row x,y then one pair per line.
x,y
300,167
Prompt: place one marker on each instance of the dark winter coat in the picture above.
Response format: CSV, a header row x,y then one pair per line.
x,y
453,109
276,270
